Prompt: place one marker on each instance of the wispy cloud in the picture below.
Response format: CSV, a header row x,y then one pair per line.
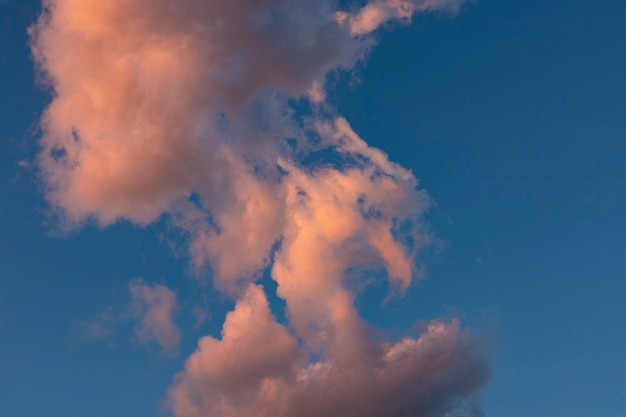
x,y
378,12
149,308
154,308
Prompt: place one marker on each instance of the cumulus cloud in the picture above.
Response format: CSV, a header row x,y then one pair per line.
x,y
256,370
185,110
147,92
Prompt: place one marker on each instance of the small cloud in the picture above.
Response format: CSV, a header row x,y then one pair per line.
x,y
154,307
23,167
24,164
201,315
101,326
150,307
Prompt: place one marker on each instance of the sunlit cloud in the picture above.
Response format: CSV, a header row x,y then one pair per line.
x,y
185,111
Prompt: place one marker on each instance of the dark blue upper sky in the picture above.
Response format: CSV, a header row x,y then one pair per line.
x,y
511,114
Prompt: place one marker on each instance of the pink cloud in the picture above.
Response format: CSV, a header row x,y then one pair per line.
x,y
141,85
256,370
182,109
154,308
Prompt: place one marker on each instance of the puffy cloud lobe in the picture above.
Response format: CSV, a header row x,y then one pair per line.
x,y
154,308
183,109
227,376
414,377
256,371
338,220
248,227
147,91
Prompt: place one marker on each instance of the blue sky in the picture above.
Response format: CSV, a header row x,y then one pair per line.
x,y
511,116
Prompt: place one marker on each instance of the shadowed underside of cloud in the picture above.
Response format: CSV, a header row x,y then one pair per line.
x,y
184,109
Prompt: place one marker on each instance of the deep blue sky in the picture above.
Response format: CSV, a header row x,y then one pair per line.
x,y
512,115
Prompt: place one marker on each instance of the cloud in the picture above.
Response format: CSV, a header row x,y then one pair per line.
x,y
153,97
150,97
377,12
154,308
185,110
256,370
151,308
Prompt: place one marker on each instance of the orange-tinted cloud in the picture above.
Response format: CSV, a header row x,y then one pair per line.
x,y
182,109
257,371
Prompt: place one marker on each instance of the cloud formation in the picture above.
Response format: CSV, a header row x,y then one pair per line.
x,y
185,110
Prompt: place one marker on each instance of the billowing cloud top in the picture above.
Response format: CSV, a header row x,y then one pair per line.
x,y
183,109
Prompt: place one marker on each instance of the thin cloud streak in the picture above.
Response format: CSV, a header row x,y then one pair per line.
x,y
184,110
378,12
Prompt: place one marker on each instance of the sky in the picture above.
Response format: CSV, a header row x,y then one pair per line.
x,y
196,219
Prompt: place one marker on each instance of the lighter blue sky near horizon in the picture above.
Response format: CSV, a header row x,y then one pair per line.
x,y
512,116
